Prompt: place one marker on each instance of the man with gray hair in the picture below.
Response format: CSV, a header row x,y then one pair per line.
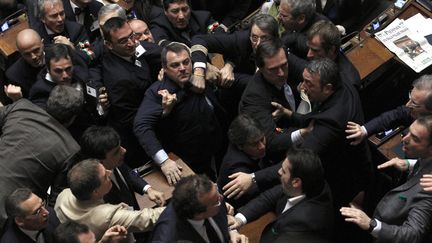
x,y
53,28
297,17
36,147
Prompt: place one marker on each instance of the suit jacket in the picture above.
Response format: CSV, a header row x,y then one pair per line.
x,y
342,12
100,216
35,151
227,12
135,184
236,160
191,124
171,228
22,74
13,234
235,47
74,31
163,31
406,211
90,15
256,102
312,216
390,119
328,140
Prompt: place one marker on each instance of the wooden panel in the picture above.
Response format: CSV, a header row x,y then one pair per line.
x,y
8,38
254,229
386,149
158,181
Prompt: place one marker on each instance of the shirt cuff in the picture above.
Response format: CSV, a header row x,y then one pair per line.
x,y
241,217
363,128
160,157
200,65
146,187
296,137
377,229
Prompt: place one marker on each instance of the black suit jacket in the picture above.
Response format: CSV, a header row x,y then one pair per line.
x,y
91,13
390,119
135,184
22,74
12,234
311,216
170,228
406,211
74,31
227,12
343,12
164,32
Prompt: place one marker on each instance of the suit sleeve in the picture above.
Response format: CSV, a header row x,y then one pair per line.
x,y
136,221
225,44
262,204
268,177
389,119
159,33
148,115
135,180
237,13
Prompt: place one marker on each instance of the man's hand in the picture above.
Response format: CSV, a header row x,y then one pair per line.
x,y
280,111
229,208
356,216
355,133
156,196
426,182
240,183
172,171
235,223
198,81
227,75
114,234
212,74
168,101
236,237
13,92
306,130
103,99
63,40
161,74
399,164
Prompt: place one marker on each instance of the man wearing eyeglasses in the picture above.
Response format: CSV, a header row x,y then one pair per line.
x,y
196,214
419,103
29,219
128,69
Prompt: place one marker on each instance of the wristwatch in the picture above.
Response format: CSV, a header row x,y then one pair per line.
x,y
253,178
372,225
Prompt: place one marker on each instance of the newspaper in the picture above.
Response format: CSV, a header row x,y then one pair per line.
x,y
410,46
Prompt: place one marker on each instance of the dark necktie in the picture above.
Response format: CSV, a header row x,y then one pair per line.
x,y
78,11
211,233
414,170
123,187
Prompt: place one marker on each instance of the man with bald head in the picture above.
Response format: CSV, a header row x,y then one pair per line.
x,y
24,71
141,29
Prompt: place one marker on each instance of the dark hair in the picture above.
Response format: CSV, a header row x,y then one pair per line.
x,y
244,129
306,165
112,24
268,49
69,232
57,52
83,179
144,8
175,47
185,198
426,121
306,7
97,141
266,23
64,103
425,83
328,33
326,69
166,3
14,200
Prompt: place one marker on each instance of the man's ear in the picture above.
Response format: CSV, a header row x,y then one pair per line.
x,y
328,89
301,19
108,44
296,182
19,221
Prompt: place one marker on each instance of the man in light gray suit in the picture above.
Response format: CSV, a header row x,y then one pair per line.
x,y
404,214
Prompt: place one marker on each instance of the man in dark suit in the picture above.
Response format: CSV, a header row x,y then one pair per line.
x,y
242,175
187,124
103,143
30,219
227,12
84,12
404,214
302,202
180,23
196,214
37,163
53,28
346,13
24,71
297,17
128,70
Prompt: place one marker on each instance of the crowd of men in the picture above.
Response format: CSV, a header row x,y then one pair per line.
x,y
99,90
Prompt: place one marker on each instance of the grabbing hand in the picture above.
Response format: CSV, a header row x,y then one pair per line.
x,y
399,164
355,133
114,234
426,182
227,76
13,92
103,99
63,40
156,196
168,101
172,171
236,237
240,183
198,81
280,111
356,216
212,74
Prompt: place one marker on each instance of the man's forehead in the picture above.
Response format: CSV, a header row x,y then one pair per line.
x,y
177,56
177,4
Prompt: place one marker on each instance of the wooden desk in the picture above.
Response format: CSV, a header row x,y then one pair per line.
x,y
158,181
386,149
8,38
254,229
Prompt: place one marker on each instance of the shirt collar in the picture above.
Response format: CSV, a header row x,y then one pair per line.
x,y
73,5
49,32
48,77
295,200
195,222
